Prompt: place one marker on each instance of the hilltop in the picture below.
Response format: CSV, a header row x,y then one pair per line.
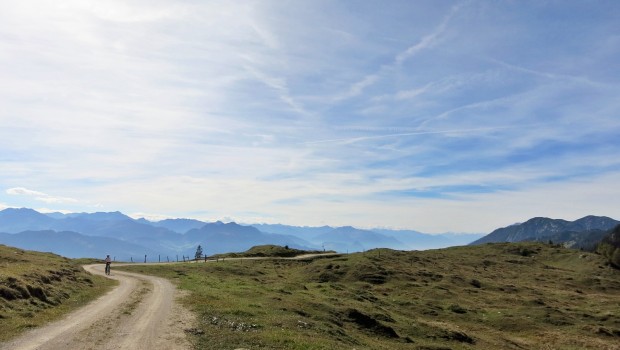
x,y
493,296
272,251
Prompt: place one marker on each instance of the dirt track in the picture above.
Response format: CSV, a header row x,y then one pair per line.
x,y
139,314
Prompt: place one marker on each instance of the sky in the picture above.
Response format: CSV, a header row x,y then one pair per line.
x,y
436,116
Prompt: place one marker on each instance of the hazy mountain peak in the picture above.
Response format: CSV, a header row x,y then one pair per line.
x,y
13,220
104,216
19,211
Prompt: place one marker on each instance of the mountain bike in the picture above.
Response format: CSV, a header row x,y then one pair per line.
x,y
107,268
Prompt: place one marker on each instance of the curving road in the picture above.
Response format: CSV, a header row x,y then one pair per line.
x,y
139,314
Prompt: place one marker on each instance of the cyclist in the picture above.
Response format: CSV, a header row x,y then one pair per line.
x,y
108,262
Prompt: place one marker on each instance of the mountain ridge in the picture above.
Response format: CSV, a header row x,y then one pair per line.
x,y
542,228
75,245
168,237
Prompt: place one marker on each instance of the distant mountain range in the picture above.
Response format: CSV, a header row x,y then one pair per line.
x,y
97,234
76,245
350,239
584,233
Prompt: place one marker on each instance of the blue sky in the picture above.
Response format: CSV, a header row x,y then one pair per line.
x,y
437,116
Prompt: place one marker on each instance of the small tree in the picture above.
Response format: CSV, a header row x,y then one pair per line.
x,y
198,252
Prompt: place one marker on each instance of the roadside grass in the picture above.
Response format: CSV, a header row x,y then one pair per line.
x,y
87,261
496,296
36,288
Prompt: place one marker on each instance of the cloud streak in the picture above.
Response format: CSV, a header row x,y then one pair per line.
x,y
425,43
39,196
428,132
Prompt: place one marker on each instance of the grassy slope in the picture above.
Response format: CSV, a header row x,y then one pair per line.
x,y
498,296
36,288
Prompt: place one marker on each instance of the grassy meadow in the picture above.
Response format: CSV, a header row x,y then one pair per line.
x,y
496,296
36,288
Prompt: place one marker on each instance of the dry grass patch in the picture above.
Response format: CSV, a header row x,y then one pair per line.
x,y
497,296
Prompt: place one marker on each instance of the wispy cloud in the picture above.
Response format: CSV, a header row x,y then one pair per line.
x,y
426,42
548,75
280,86
39,196
357,88
427,132
400,114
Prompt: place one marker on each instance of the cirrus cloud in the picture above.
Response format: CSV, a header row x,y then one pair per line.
x,y
39,196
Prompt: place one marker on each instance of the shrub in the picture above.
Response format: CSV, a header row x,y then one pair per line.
x,y
457,309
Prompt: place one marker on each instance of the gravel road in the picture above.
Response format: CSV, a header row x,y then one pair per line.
x,y
139,314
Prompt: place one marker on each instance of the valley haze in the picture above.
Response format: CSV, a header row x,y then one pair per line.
x,y
101,233
127,239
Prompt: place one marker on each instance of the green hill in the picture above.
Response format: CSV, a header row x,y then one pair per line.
x,y
36,288
494,296
269,250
